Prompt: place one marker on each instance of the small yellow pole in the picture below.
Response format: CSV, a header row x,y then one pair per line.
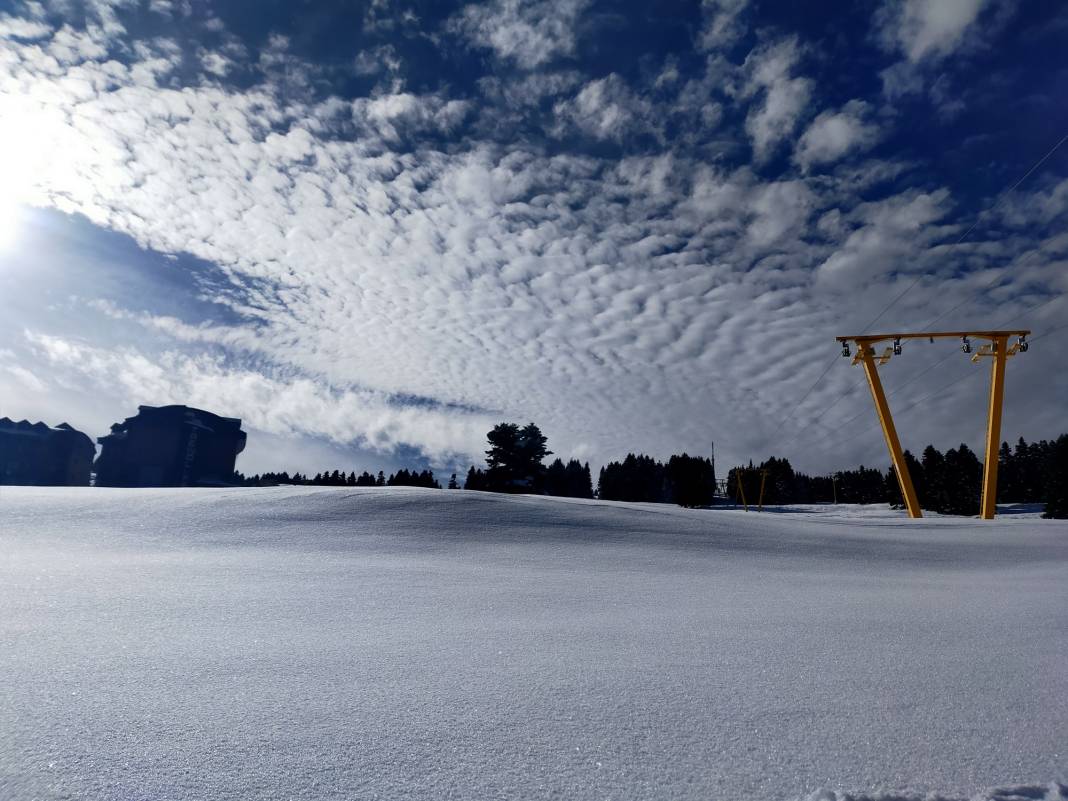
x,y
741,489
763,478
993,428
867,353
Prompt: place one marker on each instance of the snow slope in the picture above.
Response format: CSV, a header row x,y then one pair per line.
x,y
316,643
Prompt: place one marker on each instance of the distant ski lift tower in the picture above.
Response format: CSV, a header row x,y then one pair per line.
x,y
998,349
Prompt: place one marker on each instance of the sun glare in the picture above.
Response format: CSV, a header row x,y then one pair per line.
x,y
33,151
18,154
9,221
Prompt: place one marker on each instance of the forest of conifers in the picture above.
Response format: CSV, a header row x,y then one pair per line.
x,y
949,483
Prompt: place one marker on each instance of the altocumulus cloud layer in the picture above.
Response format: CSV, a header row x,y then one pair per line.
x,y
640,230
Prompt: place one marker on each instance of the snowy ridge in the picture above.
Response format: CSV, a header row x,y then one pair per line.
x,y
398,643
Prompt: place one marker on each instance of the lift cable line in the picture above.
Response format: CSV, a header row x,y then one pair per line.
x,y
1035,308
1001,197
998,349
850,392
832,447
847,394
1004,194
782,420
994,282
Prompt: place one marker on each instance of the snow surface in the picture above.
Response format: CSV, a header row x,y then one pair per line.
x,y
316,643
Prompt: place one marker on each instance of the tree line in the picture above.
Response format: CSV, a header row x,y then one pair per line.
x,y
515,463
338,478
685,480
949,483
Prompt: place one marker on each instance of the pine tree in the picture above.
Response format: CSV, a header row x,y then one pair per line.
x,y
452,482
961,477
556,478
476,479
934,470
1007,478
690,480
919,483
1056,470
586,487
637,478
515,458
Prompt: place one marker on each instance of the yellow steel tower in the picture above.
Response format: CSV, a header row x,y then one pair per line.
x,y
998,349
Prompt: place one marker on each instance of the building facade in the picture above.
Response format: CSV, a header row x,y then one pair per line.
x,y
35,454
170,446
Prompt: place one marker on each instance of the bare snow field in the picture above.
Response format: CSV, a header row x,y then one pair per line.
x,y
313,643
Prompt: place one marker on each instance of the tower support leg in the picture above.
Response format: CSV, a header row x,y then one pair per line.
x,y
993,429
904,480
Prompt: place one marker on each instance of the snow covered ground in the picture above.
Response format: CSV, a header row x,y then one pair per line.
x,y
315,643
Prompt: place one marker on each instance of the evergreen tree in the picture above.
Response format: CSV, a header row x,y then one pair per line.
x,y
1008,481
476,479
585,484
515,458
690,480
1029,469
571,480
452,482
962,480
1056,470
937,484
577,479
919,484
638,478
556,478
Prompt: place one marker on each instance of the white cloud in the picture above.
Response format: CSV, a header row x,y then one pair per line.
x,y
784,98
722,24
834,134
379,59
780,209
660,301
891,236
394,116
215,63
928,29
274,404
529,32
607,109
928,33
22,28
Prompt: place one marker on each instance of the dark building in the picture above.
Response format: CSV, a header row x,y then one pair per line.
x,y
34,454
170,446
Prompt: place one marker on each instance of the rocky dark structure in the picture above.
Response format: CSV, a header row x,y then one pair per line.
x,y
38,455
170,446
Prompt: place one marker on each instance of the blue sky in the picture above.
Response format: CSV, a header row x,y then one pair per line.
x,y
371,230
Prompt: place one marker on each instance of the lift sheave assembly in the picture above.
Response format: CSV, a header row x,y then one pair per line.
x,y
997,348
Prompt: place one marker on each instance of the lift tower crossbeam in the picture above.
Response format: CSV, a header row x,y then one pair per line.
x,y
998,348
